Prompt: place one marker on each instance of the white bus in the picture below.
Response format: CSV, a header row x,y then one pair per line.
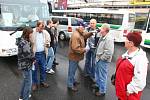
x,y
121,21
14,16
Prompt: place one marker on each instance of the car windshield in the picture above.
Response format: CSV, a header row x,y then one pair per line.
x,y
15,14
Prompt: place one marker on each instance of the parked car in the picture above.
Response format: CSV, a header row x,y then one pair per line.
x,y
66,26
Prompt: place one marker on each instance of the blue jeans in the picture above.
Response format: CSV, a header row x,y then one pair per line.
x,y
101,71
55,47
26,84
71,72
40,61
89,67
50,58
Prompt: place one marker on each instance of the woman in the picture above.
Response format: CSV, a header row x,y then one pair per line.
x,y
131,69
25,62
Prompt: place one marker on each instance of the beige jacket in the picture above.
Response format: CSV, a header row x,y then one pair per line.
x,y
46,41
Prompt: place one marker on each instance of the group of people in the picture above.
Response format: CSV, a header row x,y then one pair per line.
x,y
98,47
37,48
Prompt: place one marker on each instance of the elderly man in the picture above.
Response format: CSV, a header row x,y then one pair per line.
x,y
104,52
76,53
89,67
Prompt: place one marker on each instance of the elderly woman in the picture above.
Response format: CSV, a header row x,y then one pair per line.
x,y
131,69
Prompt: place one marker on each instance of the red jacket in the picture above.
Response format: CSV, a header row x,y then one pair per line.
x,y
124,74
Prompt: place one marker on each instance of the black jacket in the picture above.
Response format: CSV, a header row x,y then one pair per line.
x,y
52,33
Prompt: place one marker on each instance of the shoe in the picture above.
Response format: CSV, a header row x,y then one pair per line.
x,y
55,63
74,89
76,83
34,87
22,99
30,96
50,71
99,94
43,84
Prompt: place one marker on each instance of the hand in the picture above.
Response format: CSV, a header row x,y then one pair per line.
x,y
87,48
47,44
37,29
128,93
34,62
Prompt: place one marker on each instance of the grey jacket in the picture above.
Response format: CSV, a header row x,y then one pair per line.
x,y
105,48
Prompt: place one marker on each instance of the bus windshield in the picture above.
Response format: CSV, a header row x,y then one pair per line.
x,y
15,15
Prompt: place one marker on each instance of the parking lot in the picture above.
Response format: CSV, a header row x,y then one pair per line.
x,y
11,79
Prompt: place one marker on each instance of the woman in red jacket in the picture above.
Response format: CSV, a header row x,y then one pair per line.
x,y
131,69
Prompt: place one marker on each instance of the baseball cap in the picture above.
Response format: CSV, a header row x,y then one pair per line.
x,y
81,23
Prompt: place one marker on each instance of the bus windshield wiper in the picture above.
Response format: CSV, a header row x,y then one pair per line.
x,y
17,29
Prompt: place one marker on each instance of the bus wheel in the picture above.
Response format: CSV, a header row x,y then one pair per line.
x,y
62,36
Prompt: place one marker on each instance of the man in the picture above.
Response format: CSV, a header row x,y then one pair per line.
x,y
41,42
89,67
55,23
51,55
76,53
104,52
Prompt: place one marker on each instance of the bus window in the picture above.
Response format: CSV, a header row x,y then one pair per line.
x,y
131,18
115,19
118,18
141,21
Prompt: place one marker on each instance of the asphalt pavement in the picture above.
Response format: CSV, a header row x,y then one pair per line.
x,y
10,79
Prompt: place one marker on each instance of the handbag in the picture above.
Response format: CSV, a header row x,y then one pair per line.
x,y
113,77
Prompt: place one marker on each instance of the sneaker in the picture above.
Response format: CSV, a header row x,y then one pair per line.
x,y
22,99
30,96
50,71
